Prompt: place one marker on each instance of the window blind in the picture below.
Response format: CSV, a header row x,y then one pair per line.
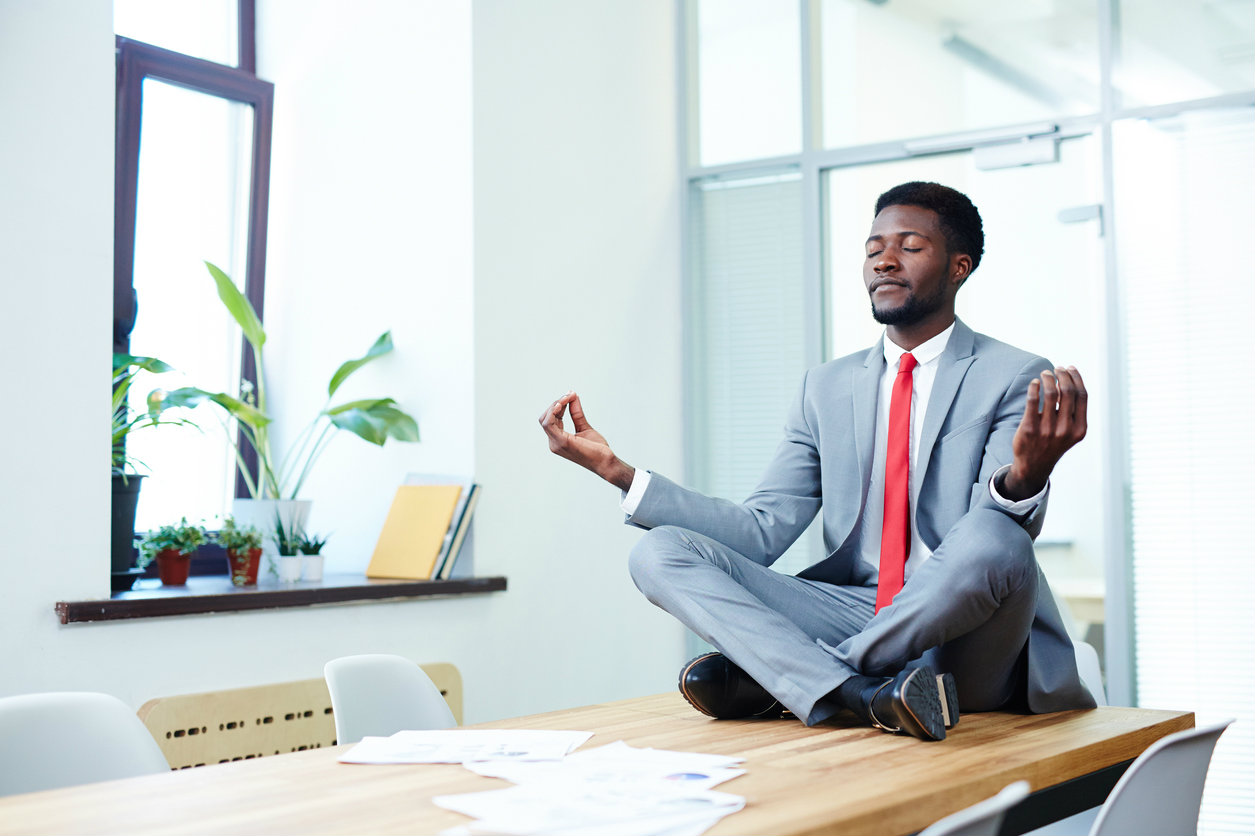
x,y
747,344
1185,205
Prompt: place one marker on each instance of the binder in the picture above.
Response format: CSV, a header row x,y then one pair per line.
x,y
413,534
444,568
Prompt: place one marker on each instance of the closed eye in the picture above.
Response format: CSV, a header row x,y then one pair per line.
x,y
874,254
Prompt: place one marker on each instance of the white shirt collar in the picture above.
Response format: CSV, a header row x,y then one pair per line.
x,y
924,353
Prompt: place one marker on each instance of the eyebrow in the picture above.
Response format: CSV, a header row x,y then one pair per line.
x,y
902,233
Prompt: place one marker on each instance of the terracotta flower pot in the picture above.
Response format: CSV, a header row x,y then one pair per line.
x,y
172,567
244,566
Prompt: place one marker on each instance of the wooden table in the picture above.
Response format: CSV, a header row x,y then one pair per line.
x,y
835,778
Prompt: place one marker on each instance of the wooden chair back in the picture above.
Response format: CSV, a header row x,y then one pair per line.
x,y
244,723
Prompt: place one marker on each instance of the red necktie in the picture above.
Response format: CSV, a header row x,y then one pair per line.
x,y
895,534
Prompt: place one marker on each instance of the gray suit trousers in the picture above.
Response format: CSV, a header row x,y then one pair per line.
x,y
967,610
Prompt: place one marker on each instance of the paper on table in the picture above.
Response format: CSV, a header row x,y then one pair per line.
x,y
620,766
462,745
571,808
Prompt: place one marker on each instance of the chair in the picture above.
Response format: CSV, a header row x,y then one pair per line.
x,y
1091,673
981,819
261,720
379,694
64,738
1161,792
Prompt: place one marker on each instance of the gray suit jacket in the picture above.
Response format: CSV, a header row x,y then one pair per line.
x,y
825,461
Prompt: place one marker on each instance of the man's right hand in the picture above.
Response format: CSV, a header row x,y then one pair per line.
x,y
586,447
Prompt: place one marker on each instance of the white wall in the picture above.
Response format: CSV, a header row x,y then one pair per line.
x,y
577,285
576,259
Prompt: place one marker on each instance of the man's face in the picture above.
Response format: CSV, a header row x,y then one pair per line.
x,y
908,272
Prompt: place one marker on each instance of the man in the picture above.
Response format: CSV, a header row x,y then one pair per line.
x,y
930,456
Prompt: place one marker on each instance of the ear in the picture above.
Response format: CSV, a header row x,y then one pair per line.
x,y
960,269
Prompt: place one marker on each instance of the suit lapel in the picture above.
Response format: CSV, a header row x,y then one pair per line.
x,y
866,388
952,366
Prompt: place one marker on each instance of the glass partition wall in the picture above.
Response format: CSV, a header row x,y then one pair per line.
x,y
1107,143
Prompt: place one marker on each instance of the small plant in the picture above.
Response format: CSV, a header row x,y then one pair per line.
x,y
183,538
125,419
287,540
233,538
310,543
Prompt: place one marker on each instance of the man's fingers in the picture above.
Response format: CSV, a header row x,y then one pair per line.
x,y
1032,415
577,414
1081,409
1049,402
551,418
1067,402
1072,405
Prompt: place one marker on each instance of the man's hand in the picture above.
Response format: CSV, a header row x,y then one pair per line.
x,y
1054,421
586,447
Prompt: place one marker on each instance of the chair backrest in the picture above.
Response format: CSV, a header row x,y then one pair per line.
x,y
380,694
1089,669
65,738
261,720
1160,793
983,818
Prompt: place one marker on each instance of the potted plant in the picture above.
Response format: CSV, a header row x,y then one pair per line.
x,y
310,547
280,477
172,546
243,545
125,468
287,562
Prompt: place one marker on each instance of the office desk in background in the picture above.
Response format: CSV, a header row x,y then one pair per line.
x,y
830,779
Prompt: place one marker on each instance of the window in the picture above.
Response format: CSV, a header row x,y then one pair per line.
x,y
1109,135
192,181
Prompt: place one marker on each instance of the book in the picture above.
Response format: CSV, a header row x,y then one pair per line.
x,y
444,479
461,528
414,532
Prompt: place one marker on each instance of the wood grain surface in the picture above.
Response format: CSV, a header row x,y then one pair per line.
x,y
835,778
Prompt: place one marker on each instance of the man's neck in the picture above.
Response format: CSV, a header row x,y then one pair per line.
x,y
910,335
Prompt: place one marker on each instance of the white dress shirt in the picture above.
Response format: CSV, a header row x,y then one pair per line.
x,y
928,357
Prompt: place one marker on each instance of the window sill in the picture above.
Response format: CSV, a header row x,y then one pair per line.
x,y
214,593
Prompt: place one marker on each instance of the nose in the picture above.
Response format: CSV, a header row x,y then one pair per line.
x,y
886,262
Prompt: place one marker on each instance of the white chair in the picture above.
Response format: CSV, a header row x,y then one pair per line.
x,y
1160,793
981,819
1089,669
378,695
61,739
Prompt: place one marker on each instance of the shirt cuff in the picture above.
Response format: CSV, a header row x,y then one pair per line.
x,y
631,499
1022,506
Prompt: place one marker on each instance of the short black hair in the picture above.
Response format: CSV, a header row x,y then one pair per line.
x,y
960,221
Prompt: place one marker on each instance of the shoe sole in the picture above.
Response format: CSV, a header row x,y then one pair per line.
x,y
949,696
922,714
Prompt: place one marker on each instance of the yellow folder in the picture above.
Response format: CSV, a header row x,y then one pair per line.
x,y
414,531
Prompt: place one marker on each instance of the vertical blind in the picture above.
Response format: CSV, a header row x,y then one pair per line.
x,y
748,343
1185,208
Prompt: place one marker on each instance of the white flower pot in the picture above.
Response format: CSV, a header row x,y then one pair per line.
x,y
262,514
311,567
288,567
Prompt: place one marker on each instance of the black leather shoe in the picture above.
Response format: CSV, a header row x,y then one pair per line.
x,y
910,703
718,688
949,696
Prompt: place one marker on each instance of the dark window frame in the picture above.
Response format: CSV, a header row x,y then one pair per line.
x,y
137,61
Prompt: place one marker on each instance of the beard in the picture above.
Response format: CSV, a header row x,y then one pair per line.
x,y
914,309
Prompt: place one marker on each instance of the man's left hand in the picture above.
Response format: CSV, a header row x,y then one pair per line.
x,y
1054,421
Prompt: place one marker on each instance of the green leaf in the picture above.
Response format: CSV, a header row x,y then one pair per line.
x,y
375,420
381,347
239,307
190,396
122,364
